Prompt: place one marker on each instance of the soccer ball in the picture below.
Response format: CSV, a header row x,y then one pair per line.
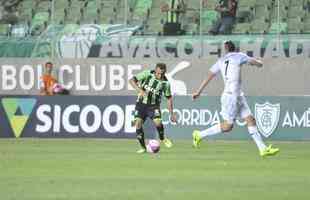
x,y
153,146
57,88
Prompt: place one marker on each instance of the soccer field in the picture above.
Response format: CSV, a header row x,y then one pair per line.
x,y
38,169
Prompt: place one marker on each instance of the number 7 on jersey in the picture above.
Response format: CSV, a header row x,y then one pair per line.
x,y
227,63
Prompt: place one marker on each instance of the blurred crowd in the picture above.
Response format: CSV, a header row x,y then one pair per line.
x,y
9,11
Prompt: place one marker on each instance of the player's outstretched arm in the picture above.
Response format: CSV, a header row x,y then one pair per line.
x,y
170,108
204,84
255,61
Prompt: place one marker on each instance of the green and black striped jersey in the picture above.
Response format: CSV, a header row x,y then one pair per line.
x,y
153,87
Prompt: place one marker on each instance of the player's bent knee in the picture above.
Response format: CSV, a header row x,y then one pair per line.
x,y
226,127
157,122
250,120
138,123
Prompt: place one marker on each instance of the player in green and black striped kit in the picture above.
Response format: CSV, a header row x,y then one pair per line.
x,y
151,85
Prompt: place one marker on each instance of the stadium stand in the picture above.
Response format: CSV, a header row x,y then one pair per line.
x,y
156,19
19,18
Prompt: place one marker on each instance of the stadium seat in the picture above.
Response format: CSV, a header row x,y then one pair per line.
x,y
283,14
43,6
259,26
245,11
90,14
61,11
281,27
245,8
107,13
210,5
39,22
306,28
206,28
142,8
282,3
154,27
246,3
191,28
156,19
296,11
267,3
4,29
307,19
25,8
121,11
59,17
295,3
190,22
244,16
241,28
73,14
307,6
262,11
195,4
209,17
132,3
295,25
207,20
70,29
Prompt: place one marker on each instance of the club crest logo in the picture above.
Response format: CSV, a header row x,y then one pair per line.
x,y
267,116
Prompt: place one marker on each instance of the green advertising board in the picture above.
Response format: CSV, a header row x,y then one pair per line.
x,y
278,118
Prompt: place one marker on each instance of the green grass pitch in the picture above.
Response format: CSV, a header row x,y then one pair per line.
x,y
87,169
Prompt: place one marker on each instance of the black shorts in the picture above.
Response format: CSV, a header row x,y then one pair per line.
x,y
143,111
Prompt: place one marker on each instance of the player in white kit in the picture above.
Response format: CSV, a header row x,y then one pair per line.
x,y
233,102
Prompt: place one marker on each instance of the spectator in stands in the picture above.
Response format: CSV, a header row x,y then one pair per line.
x,y
227,10
9,11
175,9
48,80
174,12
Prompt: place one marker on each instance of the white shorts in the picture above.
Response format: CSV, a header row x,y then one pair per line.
x,y
234,107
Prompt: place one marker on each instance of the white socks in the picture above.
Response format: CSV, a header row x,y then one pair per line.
x,y
213,130
256,137
216,129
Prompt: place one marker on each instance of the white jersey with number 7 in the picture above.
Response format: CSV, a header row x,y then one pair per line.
x,y
230,68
